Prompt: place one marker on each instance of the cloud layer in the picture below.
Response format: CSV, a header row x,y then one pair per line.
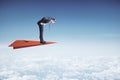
x,y
51,68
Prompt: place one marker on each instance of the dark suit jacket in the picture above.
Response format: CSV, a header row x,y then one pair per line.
x,y
44,20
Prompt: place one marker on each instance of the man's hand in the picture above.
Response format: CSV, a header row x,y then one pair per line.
x,y
42,23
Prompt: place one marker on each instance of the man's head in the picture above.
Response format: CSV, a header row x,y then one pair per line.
x,y
53,20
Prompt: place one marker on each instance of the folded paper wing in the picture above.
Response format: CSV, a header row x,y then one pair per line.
x,y
27,43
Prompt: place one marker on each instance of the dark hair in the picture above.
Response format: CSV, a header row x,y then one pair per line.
x,y
52,18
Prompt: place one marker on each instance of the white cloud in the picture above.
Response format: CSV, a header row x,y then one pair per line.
x,y
51,68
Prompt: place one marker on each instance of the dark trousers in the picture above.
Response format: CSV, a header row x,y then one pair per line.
x,y
41,33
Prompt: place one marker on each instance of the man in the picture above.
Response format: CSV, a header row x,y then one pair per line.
x,y
41,23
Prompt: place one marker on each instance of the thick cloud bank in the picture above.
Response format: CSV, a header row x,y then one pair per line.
x,y
49,68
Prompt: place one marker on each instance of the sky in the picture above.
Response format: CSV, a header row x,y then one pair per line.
x,y
86,26
86,32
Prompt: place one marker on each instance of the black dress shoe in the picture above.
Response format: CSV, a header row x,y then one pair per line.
x,y
43,42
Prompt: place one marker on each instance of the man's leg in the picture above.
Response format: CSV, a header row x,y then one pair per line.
x,y
41,34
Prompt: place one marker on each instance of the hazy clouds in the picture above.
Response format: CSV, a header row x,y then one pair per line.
x,y
51,68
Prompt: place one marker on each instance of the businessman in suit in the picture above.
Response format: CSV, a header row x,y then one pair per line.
x,y
41,23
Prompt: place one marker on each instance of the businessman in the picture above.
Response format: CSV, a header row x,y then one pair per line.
x,y
41,23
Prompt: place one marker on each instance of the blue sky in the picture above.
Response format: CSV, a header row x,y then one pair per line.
x,y
78,21
83,28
